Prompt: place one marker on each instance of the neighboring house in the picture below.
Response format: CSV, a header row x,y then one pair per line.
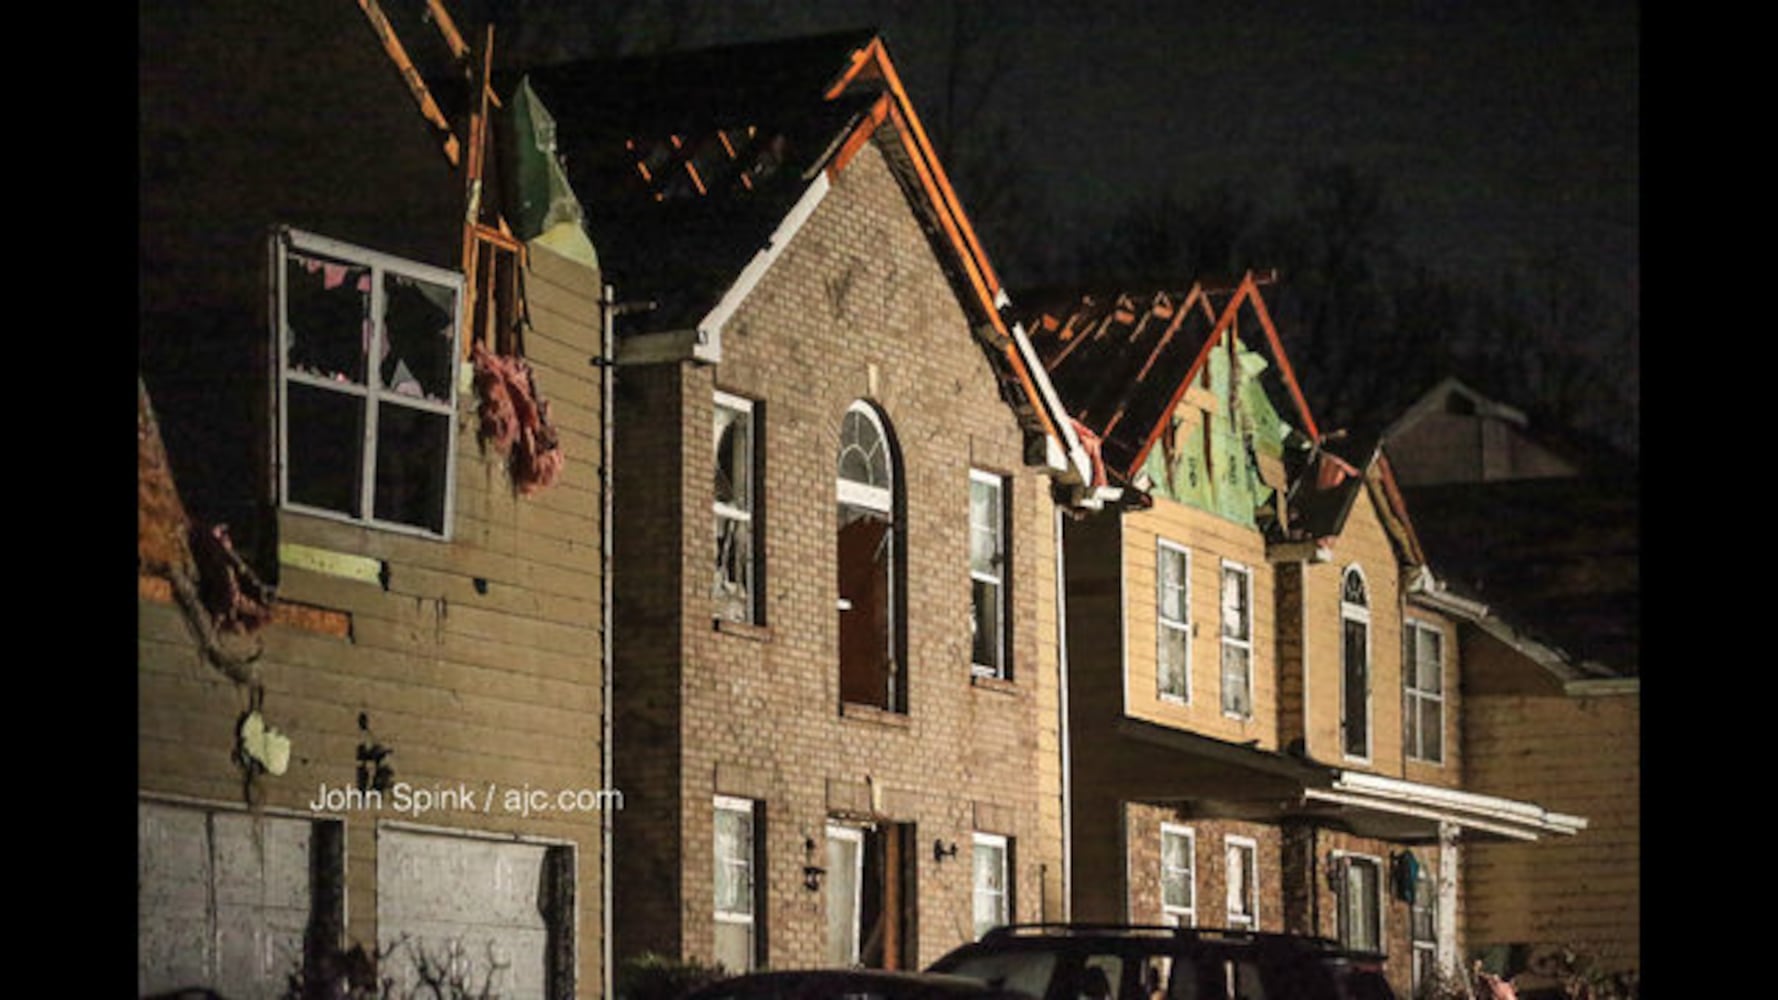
x,y
394,743
1265,727
1546,561
835,560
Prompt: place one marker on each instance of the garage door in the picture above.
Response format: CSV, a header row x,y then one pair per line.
x,y
483,906
222,899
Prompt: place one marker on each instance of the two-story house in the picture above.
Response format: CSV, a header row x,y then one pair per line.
x,y
835,587
1264,715
372,572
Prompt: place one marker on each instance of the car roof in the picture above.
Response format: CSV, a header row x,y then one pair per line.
x,y
813,983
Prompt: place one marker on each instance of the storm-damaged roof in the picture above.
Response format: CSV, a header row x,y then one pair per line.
x,y
696,168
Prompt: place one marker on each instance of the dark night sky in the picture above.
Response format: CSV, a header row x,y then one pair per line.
x,y
1506,131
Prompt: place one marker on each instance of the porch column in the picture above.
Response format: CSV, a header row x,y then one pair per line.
x,y
1449,858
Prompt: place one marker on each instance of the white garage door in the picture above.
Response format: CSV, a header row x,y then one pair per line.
x,y
479,904
222,899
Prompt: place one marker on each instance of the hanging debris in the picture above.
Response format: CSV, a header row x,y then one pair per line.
x,y
515,420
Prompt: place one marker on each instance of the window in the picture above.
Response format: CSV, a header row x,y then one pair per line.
x,y
1355,664
227,898
1173,621
367,376
993,895
1178,883
845,878
1423,914
736,889
1241,860
987,574
869,579
1360,902
1237,641
735,590
1423,692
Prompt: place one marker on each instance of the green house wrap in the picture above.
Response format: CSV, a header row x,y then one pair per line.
x,y
548,212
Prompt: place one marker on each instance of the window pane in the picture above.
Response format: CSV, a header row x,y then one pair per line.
x,y
1170,668
1432,729
734,945
1430,659
1176,874
411,449
1236,616
1171,588
842,901
984,528
1237,674
325,448
734,458
419,326
990,887
327,306
864,456
1355,687
734,861
734,568
986,624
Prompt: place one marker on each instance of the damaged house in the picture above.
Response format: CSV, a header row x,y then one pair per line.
x,y
370,679
835,570
1265,720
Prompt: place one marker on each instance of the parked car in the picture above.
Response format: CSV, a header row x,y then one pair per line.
x,y
1130,962
854,984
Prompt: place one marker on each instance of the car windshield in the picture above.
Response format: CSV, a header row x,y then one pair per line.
x,y
1024,971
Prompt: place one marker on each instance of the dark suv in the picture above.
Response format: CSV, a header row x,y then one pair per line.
x,y
1126,962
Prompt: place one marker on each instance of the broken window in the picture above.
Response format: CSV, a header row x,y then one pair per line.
x,y
735,589
1423,692
737,890
1241,860
1355,665
1173,621
987,574
368,388
1237,641
993,893
870,660
1179,888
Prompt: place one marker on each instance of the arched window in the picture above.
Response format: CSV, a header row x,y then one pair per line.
x,y
869,600
1355,664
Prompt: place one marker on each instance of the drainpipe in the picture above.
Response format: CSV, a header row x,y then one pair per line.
x,y
1063,737
608,357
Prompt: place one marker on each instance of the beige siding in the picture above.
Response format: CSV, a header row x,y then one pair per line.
x,y
476,660
1211,540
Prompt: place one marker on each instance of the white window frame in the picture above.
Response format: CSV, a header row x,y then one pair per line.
x,y
287,243
1180,916
1002,904
855,837
721,512
1246,645
1412,695
1344,859
1250,847
1001,667
1361,614
750,918
1165,626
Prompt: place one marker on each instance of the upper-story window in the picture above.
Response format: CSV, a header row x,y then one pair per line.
x,y
1237,641
1423,692
735,590
1355,665
1173,644
869,577
367,384
987,574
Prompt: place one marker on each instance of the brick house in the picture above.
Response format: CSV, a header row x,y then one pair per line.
x,y
1265,721
360,704
835,555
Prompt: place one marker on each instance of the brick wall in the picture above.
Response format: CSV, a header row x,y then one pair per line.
x,y
855,308
1142,832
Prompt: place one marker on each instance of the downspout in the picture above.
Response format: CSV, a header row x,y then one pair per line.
x,y
607,357
1063,737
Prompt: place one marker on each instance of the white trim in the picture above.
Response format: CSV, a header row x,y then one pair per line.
x,y
1063,728
1411,694
1249,644
1123,604
708,346
1439,802
1360,613
1001,668
1603,686
1235,840
1190,913
1381,907
1163,625
1080,464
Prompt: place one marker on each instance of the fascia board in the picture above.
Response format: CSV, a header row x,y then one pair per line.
x,y
708,347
